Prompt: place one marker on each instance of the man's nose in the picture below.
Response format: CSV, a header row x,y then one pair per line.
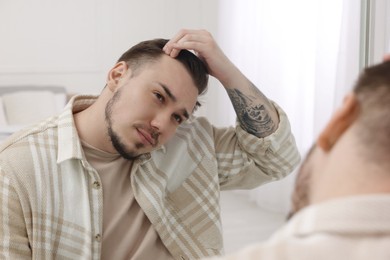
x,y
161,121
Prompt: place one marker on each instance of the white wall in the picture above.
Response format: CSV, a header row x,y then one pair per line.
x,y
73,43
379,35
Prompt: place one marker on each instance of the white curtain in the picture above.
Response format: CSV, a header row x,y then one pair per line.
x,y
303,54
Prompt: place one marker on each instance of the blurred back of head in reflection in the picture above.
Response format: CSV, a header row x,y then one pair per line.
x,y
351,156
341,201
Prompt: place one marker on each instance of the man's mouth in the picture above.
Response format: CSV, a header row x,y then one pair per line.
x,y
147,137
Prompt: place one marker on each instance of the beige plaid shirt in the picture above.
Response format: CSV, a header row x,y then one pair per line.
x,y
51,198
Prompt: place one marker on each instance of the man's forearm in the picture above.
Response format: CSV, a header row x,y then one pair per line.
x,y
255,112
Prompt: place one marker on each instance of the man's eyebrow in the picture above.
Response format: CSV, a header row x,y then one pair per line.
x,y
168,92
171,96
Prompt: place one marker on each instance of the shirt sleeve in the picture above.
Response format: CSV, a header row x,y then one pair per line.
x,y
13,233
246,161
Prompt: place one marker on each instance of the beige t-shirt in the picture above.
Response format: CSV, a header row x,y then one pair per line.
x,y
127,232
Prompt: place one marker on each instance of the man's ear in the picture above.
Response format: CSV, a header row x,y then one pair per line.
x,y
386,57
340,121
115,74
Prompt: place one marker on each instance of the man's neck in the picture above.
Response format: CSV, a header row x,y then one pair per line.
x,y
91,126
347,172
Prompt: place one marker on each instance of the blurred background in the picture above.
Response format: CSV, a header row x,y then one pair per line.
x,y
303,54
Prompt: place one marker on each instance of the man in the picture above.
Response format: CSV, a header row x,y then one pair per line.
x,y
130,174
341,201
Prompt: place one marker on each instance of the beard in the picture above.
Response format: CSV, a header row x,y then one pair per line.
x,y
120,147
116,141
301,196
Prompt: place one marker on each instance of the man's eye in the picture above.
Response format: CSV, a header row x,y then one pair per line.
x,y
178,119
159,97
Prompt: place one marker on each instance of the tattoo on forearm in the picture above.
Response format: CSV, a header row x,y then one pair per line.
x,y
253,117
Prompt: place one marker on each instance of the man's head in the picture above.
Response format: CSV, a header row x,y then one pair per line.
x,y
373,94
150,51
151,94
351,154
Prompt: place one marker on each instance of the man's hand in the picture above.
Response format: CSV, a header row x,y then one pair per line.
x,y
205,47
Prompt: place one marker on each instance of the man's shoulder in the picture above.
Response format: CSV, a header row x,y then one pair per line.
x,y
201,123
198,120
29,136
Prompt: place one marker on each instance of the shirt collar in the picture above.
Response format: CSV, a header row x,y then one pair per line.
x,y
363,214
69,145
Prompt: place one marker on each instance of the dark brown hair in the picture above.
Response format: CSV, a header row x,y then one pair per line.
x,y
373,92
151,50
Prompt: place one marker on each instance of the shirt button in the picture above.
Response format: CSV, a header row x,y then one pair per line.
x,y
98,238
96,185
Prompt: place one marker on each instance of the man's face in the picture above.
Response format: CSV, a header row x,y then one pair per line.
x,y
146,108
